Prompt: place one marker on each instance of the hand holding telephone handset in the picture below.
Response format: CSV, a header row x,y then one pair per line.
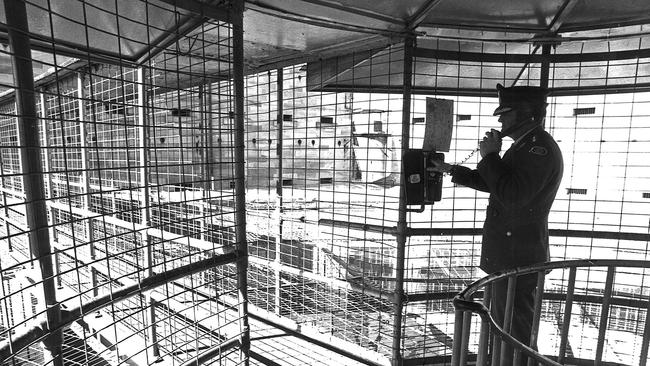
x,y
491,142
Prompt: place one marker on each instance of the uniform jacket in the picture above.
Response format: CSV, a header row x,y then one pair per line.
x,y
522,186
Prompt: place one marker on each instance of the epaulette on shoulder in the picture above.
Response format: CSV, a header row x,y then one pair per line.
x,y
538,150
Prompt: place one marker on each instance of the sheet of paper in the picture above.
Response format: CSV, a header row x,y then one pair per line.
x,y
439,125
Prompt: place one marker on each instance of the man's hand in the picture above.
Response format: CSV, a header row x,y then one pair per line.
x,y
439,167
491,143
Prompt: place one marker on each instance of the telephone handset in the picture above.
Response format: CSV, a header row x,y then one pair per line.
x,y
501,134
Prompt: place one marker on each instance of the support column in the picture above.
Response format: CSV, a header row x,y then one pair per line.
x,y
402,225
545,67
85,179
545,70
209,120
47,176
30,155
5,203
278,187
145,209
240,172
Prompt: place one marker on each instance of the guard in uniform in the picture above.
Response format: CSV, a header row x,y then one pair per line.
x,y
522,185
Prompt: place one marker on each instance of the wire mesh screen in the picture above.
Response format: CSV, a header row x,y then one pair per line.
x,y
138,181
600,210
139,175
323,172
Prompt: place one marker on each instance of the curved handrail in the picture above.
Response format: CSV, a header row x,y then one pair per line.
x,y
463,301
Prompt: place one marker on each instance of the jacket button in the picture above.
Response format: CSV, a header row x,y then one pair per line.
x,y
508,233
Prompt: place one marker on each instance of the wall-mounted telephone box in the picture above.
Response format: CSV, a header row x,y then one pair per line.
x,y
422,187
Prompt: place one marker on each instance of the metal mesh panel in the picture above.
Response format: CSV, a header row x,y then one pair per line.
x,y
141,172
312,164
133,195
323,192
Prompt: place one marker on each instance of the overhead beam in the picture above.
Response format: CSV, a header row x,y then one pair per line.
x,y
561,16
526,58
553,29
325,23
421,14
356,11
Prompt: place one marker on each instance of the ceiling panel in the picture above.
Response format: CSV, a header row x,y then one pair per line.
x,y
122,29
279,33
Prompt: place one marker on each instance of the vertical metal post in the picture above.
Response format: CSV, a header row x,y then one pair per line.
x,y
458,336
402,225
278,187
47,176
209,120
240,172
30,155
203,150
545,67
81,104
5,205
507,318
537,313
604,315
566,321
643,360
484,337
464,346
145,207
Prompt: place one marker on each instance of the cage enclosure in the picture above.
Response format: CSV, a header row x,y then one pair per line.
x,y
221,182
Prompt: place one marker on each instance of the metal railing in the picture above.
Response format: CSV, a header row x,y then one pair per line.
x,y
494,339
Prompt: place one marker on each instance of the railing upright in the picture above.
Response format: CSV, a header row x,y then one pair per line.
x,y
537,314
604,315
566,320
484,338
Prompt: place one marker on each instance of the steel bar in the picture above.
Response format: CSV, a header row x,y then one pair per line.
x,y
358,11
616,235
145,202
604,315
489,92
467,326
643,359
525,58
47,164
421,14
545,66
458,338
537,312
401,235
478,231
30,157
316,338
279,212
566,320
484,338
562,15
209,120
212,352
496,349
507,318
240,173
